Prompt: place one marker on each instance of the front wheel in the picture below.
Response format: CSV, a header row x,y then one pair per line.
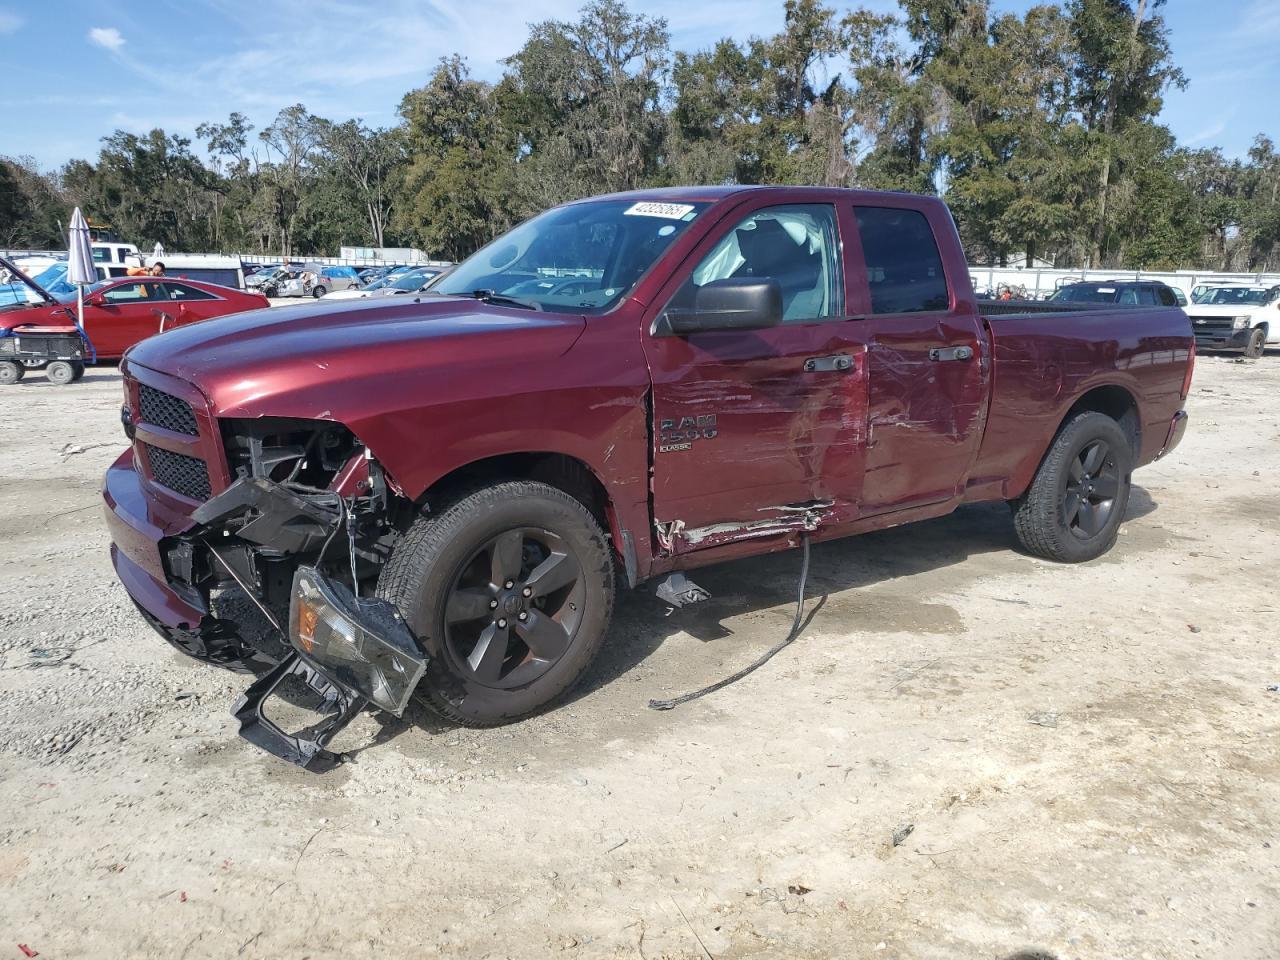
x,y
1257,344
509,590
1073,509
318,292
77,370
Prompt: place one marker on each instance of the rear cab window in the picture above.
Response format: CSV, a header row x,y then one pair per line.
x,y
904,267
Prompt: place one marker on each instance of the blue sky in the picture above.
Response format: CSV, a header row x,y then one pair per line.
x,y
81,68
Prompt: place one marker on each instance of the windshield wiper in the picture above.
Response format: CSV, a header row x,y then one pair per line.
x,y
502,300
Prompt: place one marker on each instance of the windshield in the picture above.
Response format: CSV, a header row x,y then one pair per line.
x,y
66,292
1086,293
606,245
1235,295
411,280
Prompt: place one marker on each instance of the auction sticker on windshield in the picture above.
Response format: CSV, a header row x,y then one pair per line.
x,y
651,208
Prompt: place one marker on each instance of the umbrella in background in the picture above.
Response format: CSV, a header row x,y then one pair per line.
x,y
80,269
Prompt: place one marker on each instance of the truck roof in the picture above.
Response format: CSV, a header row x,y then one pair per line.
x,y
712,193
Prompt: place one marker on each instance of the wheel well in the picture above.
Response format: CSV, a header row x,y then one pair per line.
x,y
1118,404
554,469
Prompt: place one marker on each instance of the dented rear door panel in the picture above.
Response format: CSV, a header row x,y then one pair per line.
x,y
928,374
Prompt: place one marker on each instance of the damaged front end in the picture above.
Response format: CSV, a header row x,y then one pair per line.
x,y
308,521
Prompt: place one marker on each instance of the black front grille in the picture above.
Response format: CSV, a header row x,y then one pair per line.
x,y
164,410
180,473
1212,323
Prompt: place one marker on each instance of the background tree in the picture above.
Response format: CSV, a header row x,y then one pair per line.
x,y
1039,129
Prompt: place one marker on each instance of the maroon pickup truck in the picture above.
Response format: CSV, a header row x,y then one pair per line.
x,y
435,496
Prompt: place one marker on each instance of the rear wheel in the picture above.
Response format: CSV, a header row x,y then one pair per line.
x,y
11,371
318,292
1073,510
509,590
1257,345
60,372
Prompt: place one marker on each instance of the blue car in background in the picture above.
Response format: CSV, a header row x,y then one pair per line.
x,y
53,278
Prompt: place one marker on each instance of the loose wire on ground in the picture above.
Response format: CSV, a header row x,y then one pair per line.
x,y
768,655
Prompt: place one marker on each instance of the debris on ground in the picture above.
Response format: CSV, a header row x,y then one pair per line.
x,y
902,833
1044,718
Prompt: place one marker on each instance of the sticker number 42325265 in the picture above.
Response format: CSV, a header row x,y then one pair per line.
x,y
652,208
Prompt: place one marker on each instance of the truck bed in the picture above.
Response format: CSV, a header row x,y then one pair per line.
x,y
1044,360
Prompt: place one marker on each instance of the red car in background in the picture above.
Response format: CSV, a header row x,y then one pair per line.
x,y
119,313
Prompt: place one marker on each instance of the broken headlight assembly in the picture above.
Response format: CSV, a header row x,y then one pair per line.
x,y
286,450
360,643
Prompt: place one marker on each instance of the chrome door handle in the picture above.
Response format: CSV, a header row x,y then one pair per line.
x,y
942,354
838,362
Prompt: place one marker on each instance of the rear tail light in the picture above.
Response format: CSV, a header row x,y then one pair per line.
x,y
1191,367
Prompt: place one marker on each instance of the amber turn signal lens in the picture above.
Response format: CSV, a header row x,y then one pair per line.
x,y
308,617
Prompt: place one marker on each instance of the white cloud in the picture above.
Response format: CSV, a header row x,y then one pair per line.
x,y
9,22
108,38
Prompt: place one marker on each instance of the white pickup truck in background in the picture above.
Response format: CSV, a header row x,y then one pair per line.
x,y
1236,316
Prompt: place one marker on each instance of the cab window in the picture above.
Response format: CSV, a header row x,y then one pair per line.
x,y
796,244
904,268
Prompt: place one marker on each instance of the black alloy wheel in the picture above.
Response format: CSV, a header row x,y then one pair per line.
x,y
1073,509
508,588
1092,485
514,608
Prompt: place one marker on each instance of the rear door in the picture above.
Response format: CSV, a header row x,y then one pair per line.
x,y
759,432
926,370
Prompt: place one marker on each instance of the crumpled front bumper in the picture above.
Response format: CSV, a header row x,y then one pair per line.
x,y
140,522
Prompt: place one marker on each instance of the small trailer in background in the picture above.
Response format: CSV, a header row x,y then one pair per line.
x,y
59,349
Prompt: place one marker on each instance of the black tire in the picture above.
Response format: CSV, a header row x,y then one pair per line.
x,y
454,557
60,372
1257,345
77,370
11,372
318,292
1073,510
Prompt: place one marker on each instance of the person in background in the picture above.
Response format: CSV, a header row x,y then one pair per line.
x,y
155,270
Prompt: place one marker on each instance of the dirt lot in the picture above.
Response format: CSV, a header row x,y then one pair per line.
x,y
1077,762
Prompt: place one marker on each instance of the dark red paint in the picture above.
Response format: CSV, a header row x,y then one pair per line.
x,y
432,385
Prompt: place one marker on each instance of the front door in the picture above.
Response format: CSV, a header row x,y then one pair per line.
x,y
759,432
927,375
127,313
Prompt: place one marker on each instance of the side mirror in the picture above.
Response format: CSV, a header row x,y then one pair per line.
x,y
734,303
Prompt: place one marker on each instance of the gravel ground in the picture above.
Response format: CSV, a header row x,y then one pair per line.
x,y
969,753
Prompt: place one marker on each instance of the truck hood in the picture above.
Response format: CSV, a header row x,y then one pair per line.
x,y
1226,309
343,360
